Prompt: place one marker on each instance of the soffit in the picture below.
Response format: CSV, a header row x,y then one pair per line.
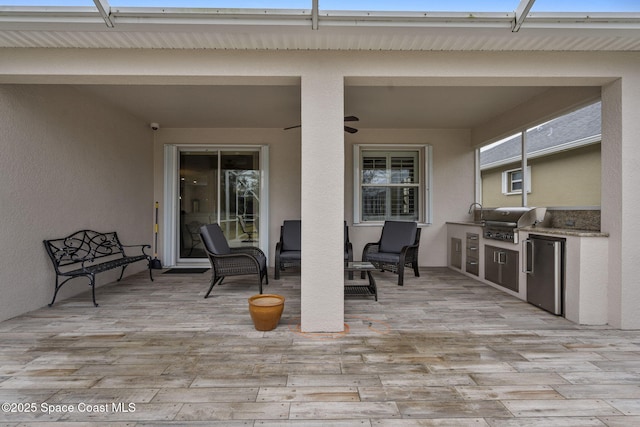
x,y
292,30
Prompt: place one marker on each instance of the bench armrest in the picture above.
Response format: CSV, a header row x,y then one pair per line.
x,y
142,248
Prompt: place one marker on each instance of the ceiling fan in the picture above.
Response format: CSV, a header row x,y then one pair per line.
x,y
346,128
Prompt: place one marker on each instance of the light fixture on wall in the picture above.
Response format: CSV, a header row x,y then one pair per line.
x,y
154,126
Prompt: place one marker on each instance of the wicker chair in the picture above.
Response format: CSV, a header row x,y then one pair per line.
x,y
288,249
226,261
396,249
348,248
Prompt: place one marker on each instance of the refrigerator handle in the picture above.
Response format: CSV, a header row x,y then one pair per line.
x,y
528,256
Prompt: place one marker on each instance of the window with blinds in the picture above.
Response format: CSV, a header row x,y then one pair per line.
x,y
389,185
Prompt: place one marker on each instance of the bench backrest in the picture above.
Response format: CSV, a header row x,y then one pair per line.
x,y
83,246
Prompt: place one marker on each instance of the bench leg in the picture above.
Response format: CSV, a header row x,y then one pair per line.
x,y
58,286
122,272
93,290
55,293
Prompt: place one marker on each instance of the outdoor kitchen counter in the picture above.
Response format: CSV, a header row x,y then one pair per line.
x,y
564,231
544,230
586,272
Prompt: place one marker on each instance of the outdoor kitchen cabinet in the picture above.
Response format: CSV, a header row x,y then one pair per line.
x,y
455,255
473,253
501,266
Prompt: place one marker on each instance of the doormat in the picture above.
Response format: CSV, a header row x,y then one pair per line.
x,y
185,270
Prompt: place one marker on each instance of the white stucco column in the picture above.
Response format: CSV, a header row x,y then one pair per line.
x,y
621,199
322,276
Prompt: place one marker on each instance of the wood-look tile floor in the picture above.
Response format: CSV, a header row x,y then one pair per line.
x,y
444,350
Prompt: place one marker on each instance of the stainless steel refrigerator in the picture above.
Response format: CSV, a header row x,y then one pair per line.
x,y
544,265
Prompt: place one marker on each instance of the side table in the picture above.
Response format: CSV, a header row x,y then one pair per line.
x,y
363,289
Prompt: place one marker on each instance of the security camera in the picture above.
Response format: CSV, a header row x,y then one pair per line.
x,y
155,126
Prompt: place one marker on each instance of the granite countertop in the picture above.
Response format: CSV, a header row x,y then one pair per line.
x,y
545,230
565,231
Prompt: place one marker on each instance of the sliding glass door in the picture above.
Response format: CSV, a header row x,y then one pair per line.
x,y
220,185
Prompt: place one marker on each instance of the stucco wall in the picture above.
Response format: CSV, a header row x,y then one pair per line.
x,y
68,163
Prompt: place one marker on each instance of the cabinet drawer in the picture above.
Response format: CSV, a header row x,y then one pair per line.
x,y
473,266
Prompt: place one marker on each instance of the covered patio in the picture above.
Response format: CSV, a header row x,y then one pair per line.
x,y
442,350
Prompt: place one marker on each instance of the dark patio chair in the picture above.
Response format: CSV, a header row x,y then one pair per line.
x,y
348,248
226,261
289,247
396,249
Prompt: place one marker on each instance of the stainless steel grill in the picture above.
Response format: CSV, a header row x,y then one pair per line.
x,y
502,223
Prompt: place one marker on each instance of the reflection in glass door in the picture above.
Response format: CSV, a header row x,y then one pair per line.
x,y
240,207
218,187
198,199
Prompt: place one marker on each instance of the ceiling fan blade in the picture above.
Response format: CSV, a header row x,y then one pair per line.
x,y
346,128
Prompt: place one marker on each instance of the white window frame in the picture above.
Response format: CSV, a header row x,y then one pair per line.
x,y
425,177
506,183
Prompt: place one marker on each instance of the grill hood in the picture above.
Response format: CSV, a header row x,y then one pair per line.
x,y
513,217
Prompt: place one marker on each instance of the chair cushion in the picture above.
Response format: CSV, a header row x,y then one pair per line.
x,y
396,235
291,235
214,239
290,256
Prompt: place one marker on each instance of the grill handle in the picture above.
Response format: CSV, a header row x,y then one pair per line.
x,y
501,224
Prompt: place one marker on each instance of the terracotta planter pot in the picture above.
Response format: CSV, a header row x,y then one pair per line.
x,y
265,310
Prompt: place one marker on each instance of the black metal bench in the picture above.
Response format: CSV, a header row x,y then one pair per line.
x,y
87,253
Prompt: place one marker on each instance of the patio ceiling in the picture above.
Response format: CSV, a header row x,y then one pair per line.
x,y
261,106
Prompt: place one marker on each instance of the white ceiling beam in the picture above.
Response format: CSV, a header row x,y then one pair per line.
x,y
105,11
521,14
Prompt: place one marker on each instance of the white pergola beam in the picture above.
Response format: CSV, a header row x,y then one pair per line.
x,y
105,11
521,14
314,14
